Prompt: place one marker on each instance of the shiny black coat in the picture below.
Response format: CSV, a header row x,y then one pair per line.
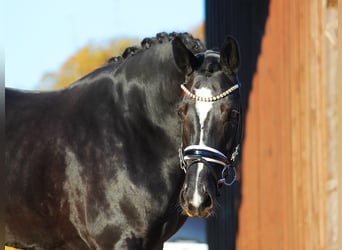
x,y
95,165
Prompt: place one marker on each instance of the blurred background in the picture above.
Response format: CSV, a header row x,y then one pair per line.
x,y
290,190
56,42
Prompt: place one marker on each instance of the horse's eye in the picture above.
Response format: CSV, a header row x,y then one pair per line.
x,y
234,114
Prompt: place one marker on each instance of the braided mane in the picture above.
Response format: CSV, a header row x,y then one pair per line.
x,y
193,44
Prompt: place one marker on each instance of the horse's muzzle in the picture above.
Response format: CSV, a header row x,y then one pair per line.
x,y
198,204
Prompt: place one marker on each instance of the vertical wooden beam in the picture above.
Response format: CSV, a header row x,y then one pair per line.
x,y
318,122
284,161
339,126
331,58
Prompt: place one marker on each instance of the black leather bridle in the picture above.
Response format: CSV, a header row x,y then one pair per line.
x,y
194,154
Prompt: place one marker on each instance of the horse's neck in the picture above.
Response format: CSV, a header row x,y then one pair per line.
x,y
154,74
143,89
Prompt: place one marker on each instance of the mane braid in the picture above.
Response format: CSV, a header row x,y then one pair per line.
x,y
193,44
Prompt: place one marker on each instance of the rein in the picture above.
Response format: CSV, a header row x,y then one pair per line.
x,y
208,155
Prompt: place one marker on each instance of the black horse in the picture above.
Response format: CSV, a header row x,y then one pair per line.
x,y
96,165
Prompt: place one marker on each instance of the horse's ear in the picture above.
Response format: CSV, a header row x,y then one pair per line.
x,y
230,55
184,58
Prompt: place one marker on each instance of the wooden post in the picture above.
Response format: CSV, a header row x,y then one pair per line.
x,y
339,127
285,154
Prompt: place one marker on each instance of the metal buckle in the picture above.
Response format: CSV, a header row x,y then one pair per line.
x,y
235,154
182,162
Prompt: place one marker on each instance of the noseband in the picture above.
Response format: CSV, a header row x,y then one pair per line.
x,y
194,154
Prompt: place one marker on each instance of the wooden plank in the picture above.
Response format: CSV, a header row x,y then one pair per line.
x,y
339,126
283,166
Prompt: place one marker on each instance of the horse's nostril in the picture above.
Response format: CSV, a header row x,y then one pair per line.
x,y
208,202
191,207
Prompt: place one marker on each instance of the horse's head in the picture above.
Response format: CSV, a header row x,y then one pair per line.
x,y
210,122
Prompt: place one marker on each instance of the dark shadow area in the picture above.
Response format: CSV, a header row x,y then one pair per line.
x,y
246,21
